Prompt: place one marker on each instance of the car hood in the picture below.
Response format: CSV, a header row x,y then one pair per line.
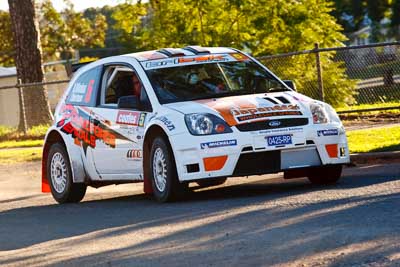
x,y
249,108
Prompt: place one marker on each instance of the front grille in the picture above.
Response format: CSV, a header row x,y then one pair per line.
x,y
258,163
264,125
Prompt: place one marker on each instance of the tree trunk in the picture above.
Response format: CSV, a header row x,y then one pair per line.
x,y
28,61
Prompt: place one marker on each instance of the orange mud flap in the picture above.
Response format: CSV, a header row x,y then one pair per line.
x,y
147,188
45,182
45,186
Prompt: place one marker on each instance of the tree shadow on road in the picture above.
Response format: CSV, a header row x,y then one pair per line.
x,y
251,231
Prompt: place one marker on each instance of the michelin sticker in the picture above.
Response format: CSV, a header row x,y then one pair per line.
x,y
329,132
218,144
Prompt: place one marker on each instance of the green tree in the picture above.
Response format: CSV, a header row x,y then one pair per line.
x,y
61,33
29,64
395,19
261,27
111,34
128,24
6,40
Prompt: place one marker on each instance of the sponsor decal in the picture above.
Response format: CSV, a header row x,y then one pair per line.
x,y
246,114
86,131
142,119
88,95
171,62
242,109
218,144
134,154
282,130
82,92
329,132
167,123
128,117
240,57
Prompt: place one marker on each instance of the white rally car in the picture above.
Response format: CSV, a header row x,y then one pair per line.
x,y
175,116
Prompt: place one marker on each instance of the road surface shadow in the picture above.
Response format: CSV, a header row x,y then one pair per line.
x,y
286,233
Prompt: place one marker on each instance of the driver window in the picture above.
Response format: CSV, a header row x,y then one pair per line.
x,y
118,82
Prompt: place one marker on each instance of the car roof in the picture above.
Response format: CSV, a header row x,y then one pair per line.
x,y
163,53
179,52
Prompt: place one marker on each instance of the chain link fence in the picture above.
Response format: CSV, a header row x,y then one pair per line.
x,y
343,76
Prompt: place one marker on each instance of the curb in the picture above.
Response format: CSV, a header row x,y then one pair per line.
x,y
374,157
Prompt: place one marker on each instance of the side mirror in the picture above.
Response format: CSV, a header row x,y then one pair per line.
x,y
128,102
291,84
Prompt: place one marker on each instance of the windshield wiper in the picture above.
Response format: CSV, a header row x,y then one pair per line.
x,y
271,90
224,94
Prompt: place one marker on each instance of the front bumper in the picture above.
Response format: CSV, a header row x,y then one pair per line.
x,y
247,153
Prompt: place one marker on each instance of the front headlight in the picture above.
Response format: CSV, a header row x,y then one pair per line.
x,y
319,113
333,116
205,124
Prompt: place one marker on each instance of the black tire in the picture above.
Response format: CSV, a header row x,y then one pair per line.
x,y
325,175
162,165
70,192
212,182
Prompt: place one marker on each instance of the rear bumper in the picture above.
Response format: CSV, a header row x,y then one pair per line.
x,y
246,153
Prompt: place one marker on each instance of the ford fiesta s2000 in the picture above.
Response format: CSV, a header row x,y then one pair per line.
x,y
174,116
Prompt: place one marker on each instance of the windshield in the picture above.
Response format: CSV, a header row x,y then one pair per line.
x,y
211,80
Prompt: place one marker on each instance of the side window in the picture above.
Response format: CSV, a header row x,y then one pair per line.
x,y
119,81
83,92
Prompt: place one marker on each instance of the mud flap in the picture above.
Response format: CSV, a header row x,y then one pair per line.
x,y
147,187
45,182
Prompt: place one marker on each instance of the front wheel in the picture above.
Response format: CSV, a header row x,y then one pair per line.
x,y
325,175
164,178
59,173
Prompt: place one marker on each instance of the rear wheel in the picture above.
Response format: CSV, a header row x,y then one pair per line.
x,y
211,182
164,178
324,175
59,173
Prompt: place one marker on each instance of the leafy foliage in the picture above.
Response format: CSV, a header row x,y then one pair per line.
x,y
261,27
10,133
6,39
63,32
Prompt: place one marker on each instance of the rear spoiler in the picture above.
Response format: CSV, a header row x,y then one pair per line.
x,y
72,68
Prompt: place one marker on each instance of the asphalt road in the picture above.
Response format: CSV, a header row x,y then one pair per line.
x,y
247,222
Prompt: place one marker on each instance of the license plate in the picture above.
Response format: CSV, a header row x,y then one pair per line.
x,y
278,140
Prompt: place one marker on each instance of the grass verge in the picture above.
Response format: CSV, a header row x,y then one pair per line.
x,y
10,133
371,106
374,140
9,156
25,143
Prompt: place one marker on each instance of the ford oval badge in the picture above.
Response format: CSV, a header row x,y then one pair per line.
x,y
274,123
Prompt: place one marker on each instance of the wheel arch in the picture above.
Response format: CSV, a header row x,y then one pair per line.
x,y
77,168
152,132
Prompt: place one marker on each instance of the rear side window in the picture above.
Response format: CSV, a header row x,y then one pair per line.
x,y
83,92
